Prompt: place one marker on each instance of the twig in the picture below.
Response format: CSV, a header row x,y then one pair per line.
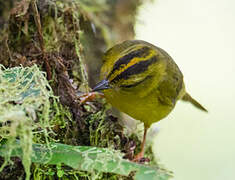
x,y
8,49
41,41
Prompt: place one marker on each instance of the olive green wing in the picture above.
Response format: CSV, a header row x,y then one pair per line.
x,y
172,85
170,90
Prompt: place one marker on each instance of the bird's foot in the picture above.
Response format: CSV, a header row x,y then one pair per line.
x,y
89,97
139,158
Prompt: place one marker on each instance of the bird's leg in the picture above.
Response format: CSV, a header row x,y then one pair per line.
x,y
140,155
89,97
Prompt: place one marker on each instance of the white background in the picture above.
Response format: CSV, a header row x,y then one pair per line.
x,y
200,36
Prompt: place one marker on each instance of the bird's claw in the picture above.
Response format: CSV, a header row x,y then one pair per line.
x,y
90,96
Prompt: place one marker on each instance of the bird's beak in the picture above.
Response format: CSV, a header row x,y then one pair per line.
x,y
104,84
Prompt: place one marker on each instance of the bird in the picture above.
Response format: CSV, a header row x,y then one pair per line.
x,y
143,81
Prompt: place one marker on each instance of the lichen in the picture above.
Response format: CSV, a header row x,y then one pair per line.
x,y
24,109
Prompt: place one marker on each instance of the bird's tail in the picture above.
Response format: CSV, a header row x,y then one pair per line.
x,y
188,98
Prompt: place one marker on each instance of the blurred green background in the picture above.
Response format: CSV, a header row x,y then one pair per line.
x,y
200,36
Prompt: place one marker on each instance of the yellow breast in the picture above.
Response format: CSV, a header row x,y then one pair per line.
x,y
148,109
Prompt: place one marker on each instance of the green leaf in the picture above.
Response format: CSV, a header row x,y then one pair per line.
x,y
89,159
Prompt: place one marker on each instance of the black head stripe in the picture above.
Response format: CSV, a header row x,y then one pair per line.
x,y
128,57
137,68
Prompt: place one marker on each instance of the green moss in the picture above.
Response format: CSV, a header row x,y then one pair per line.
x,y
31,113
24,109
